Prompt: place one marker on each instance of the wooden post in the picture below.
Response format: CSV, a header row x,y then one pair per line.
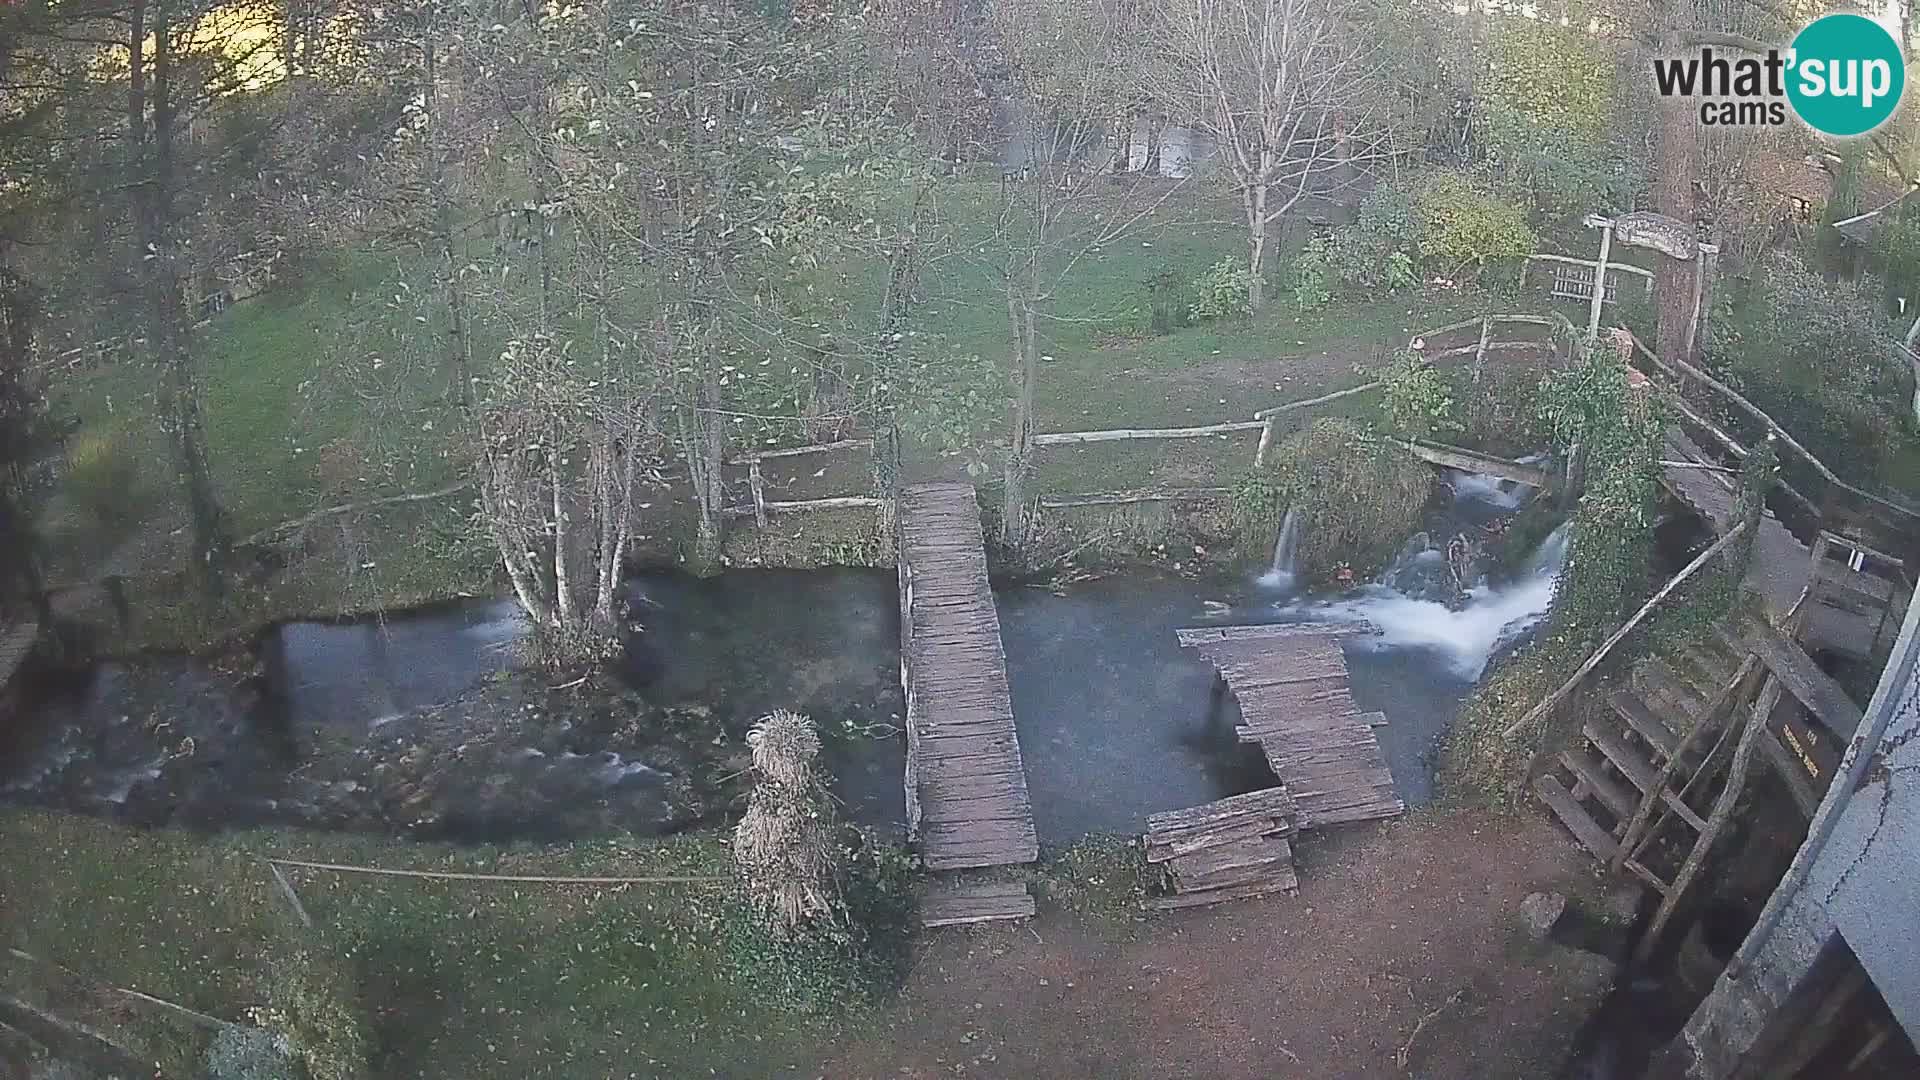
x,y
1599,282
1716,821
1480,354
1266,443
759,486
1704,265
1606,647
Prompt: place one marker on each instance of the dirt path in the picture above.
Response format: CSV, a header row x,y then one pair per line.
x,y
1408,924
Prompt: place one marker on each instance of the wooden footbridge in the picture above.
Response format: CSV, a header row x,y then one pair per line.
x,y
1291,683
967,803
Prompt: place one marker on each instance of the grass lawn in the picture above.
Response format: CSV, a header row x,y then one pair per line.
x,y
327,389
452,979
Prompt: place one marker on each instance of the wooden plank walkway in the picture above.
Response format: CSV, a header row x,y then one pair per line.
x,y
1291,682
16,641
967,803
1780,564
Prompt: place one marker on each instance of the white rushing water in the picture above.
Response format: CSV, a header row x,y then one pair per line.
x,y
1280,575
1493,618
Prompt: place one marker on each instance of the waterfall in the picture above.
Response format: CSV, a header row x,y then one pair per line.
x,y
1492,620
1285,552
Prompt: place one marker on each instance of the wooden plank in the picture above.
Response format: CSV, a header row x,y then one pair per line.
x,y
1192,636
1641,718
1792,772
1803,679
1122,498
1271,803
1166,851
1639,771
1577,820
1072,438
962,904
1260,851
1617,799
1282,881
1456,457
1661,684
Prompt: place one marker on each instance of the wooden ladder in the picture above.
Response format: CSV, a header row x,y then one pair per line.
x,y
1633,772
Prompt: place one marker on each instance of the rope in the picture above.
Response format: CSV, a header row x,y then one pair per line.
x,y
539,879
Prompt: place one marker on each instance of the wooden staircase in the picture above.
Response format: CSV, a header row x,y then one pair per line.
x,y
1680,738
1646,753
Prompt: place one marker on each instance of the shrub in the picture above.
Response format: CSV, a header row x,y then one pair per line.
x,y
1375,251
1226,288
1813,354
1460,225
314,1007
1324,472
101,474
1416,399
1313,275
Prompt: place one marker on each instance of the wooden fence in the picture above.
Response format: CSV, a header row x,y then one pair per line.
x,y
1267,421
1712,407
761,506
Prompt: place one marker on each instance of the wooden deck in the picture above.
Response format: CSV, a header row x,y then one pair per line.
x,y
1780,568
16,641
1780,564
1291,682
967,803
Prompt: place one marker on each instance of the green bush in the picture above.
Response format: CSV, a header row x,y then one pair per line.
x,y
101,476
1375,251
1461,225
1225,289
1416,399
1319,472
1313,275
1813,354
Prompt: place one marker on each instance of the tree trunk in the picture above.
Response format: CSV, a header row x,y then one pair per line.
x,y
1676,172
1256,245
180,406
1013,519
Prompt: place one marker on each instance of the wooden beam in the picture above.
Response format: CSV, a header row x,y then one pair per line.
x,y
1716,821
752,456
1117,498
1455,457
846,502
1191,636
1619,635
1074,438
1624,268
1321,400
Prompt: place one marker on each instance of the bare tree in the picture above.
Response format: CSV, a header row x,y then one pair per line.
x,y
1290,91
1058,200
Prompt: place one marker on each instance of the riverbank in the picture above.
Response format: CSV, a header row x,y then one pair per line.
x,y
1404,950
1099,372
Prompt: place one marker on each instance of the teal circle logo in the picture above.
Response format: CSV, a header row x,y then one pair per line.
x,y
1846,75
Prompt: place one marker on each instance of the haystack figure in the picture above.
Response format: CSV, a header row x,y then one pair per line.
x,y
784,847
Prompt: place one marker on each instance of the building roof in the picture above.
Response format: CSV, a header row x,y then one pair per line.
x,y
1863,229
